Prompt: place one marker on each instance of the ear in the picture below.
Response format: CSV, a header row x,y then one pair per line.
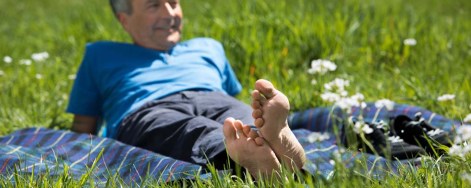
x,y
123,19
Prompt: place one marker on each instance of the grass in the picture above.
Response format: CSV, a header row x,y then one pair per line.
x,y
275,40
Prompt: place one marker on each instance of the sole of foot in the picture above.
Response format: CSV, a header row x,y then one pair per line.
x,y
255,155
270,111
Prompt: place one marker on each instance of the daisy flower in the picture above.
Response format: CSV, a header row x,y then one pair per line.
x,y
7,59
321,66
410,42
385,103
446,97
41,56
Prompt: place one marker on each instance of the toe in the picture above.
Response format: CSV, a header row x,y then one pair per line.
x,y
257,114
253,134
246,129
259,122
257,96
229,130
266,88
256,105
239,129
259,141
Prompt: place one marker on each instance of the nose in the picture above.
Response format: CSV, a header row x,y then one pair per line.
x,y
169,11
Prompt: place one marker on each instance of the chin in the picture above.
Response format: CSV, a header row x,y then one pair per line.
x,y
174,38
170,44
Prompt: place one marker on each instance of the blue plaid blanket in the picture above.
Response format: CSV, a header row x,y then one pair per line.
x,y
53,152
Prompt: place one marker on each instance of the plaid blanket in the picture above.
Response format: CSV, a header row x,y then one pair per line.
x,y
42,150
322,155
53,152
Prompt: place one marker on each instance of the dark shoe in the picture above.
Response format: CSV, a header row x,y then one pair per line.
x,y
439,135
419,132
403,150
377,140
386,145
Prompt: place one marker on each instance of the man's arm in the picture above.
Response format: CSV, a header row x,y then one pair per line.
x,y
84,124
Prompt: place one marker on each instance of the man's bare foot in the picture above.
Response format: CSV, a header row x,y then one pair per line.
x,y
253,154
271,110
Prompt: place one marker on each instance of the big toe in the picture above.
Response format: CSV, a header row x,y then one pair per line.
x,y
230,132
266,88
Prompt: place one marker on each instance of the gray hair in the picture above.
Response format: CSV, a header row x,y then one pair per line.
x,y
121,6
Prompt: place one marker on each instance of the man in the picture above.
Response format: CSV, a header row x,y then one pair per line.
x,y
175,98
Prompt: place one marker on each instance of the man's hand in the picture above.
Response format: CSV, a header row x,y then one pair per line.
x,y
84,124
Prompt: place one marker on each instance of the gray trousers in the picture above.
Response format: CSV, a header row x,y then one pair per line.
x,y
185,126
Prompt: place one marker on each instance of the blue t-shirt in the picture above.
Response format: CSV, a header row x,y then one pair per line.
x,y
116,78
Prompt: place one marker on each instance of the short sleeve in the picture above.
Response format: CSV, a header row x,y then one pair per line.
x,y
85,97
230,82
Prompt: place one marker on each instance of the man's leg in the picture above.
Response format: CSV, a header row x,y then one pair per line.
x,y
219,106
170,127
271,109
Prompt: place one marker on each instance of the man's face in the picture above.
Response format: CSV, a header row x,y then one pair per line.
x,y
155,24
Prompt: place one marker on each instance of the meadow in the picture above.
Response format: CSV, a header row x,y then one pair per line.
x,y
271,39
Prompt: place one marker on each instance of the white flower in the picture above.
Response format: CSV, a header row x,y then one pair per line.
x,y
446,97
330,97
72,77
25,62
343,93
317,137
385,103
463,134
467,119
40,56
344,104
347,104
39,76
357,100
455,150
360,104
410,42
7,59
321,66
314,82
460,150
2,73
361,127
332,162
358,97
337,85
